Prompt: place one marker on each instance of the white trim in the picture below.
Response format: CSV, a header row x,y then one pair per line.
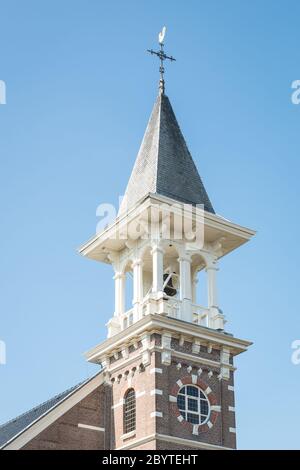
x,y
44,421
194,379
156,370
198,359
207,391
215,408
140,394
92,428
172,398
128,435
195,429
209,424
231,408
159,321
120,403
156,414
174,440
156,391
180,418
232,430
179,383
231,388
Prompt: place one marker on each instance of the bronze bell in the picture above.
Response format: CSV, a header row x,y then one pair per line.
x,y
169,288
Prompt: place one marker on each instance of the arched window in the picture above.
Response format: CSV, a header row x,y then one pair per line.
x,y
193,404
129,414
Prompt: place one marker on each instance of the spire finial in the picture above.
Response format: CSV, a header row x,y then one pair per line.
x,y
162,56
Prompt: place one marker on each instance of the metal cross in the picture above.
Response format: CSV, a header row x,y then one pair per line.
x,y
162,57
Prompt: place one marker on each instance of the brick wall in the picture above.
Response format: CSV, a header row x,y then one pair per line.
x,y
65,433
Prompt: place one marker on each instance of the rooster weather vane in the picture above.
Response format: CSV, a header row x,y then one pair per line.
x,y
162,57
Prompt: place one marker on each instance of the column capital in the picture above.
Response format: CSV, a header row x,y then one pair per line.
x,y
137,262
157,247
187,257
212,265
119,275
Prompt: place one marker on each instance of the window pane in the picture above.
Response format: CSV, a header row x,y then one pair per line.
x,y
129,411
192,404
203,418
193,391
181,402
203,407
182,391
191,418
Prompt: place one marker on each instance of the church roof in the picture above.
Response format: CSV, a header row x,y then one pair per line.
x,y
17,425
164,165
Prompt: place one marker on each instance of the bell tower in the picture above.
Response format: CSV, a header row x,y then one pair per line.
x,y
168,361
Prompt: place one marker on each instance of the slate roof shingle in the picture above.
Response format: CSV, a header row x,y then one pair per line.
x,y
164,164
15,426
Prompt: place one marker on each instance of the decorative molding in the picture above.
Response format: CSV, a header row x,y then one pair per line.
x,y
194,379
160,322
166,358
196,345
232,430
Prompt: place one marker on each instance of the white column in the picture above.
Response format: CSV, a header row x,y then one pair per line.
x,y
137,267
216,318
211,270
194,287
119,293
158,268
185,287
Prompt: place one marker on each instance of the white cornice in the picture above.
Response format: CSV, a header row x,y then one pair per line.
x,y
159,323
212,221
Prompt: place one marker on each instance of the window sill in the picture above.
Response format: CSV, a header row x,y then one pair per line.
x,y
128,435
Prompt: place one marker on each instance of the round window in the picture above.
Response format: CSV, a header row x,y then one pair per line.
x,y
193,404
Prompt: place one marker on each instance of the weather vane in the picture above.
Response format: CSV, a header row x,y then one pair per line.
x,y
162,57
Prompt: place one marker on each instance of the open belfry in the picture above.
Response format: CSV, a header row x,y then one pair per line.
x,y
166,369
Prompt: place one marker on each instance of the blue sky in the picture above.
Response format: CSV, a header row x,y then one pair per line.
x,y
80,88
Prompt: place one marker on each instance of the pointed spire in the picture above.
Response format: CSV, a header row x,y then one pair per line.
x,y
164,164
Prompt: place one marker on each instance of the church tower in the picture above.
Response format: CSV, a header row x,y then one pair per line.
x,y
167,362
